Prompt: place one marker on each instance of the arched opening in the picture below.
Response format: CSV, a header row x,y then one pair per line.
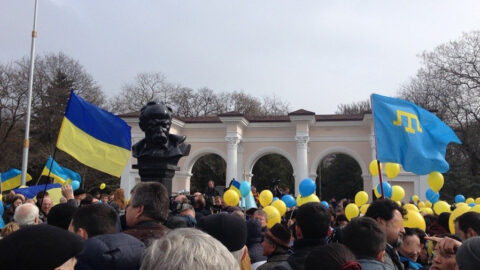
x,y
272,167
339,176
208,167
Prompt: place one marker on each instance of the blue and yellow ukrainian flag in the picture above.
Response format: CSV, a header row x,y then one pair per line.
x,y
60,174
235,186
95,137
410,135
12,179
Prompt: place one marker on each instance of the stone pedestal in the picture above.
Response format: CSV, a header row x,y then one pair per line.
x,y
157,170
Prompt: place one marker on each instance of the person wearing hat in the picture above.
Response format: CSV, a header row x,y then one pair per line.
x,y
468,254
60,215
41,247
231,231
79,194
275,246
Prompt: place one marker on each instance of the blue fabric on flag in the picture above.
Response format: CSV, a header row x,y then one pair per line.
x,y
410,135
30,192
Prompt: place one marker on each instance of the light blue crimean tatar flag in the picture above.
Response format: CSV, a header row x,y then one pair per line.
x,y
410,135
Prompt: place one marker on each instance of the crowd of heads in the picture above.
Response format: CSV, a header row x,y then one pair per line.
x,y
152,230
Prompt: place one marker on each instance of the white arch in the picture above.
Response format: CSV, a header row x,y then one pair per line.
x,y
341,150
266,151
195,156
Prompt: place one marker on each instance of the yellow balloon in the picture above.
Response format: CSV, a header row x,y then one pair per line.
x,y
441,207
426,211
477,200
469,200
310,198
421,205
392,169
462,204
398,193
428,204
351,211
103,186
364,208
373,167
265,197
415,198
273,216
410,207
231,198
413,219
476,208
376,193
281,206
460,210
435,181
361,198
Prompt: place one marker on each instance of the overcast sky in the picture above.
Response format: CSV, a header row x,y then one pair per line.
x,y
314,54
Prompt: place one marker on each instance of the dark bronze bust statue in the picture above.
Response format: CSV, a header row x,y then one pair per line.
x,y
160,151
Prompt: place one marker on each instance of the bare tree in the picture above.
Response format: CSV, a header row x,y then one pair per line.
x,y
354,108
274,105
146,87
449,82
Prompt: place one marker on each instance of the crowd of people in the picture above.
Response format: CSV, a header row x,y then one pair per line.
x,y
155,231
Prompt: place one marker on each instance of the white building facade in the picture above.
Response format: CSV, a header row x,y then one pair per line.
x,y
302,137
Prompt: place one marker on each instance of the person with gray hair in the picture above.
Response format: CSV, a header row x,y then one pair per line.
x,y
147,211
26,214
188,248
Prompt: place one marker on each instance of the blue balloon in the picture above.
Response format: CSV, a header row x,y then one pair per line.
x,y
472,204
245,188
459,198
325,204
387,189
432,196
274,199
289,200
75,185
307,187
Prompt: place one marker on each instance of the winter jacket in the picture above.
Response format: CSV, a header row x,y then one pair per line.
x,y
372,264
274,260
392,258
111,251
301,249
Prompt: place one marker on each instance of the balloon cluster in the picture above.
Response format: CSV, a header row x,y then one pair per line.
x,y
307,192
396,193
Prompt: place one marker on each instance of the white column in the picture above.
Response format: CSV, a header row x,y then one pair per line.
x,y
231,158
127,181
302,163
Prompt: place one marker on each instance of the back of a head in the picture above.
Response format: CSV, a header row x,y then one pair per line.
x,y
468,254
469,220
154,198
313,220
364,237
188,248
60,215
383,209
39,247
329,257
230,230
26,214
96,219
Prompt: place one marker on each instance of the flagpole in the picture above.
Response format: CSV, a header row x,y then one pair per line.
x,y
26,142
376,153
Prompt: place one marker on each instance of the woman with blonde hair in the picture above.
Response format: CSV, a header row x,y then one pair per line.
x,y
118,202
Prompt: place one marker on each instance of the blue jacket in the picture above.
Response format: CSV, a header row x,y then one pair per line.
x,y
111,251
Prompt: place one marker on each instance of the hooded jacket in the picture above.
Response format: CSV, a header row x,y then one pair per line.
x,y
111,251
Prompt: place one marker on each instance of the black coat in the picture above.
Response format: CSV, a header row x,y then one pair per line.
x,y
111,251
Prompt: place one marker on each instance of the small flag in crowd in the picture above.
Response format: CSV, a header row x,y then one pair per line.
x,y
12,179
60,174
95,137
410,135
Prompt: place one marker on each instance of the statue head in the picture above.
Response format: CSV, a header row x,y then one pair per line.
x,y
155,121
